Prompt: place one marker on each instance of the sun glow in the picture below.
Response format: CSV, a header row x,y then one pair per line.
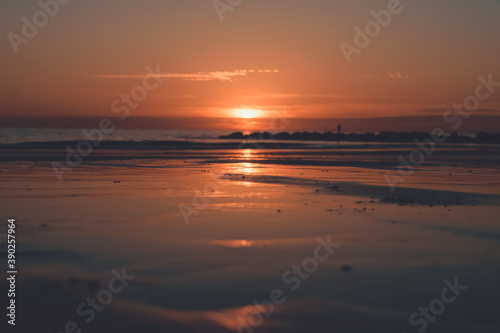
x,y
246,113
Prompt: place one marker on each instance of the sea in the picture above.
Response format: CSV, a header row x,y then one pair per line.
x,y
19,135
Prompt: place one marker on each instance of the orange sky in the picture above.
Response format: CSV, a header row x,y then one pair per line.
x,y
264,56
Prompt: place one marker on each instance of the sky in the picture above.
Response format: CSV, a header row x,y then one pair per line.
x,y
263,56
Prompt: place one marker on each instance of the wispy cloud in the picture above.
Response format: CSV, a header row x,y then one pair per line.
x,y
398,75
226,76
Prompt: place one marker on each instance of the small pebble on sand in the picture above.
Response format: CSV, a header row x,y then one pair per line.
x,y
93,284
347,268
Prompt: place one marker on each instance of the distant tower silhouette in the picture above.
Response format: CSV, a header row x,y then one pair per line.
x,y
339,128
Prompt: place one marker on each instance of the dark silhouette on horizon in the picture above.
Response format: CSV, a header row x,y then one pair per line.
x,y
395,137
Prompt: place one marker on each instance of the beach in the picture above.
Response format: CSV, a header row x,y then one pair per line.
x,y
208,234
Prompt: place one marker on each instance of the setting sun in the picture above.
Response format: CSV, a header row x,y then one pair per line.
x,y
246,113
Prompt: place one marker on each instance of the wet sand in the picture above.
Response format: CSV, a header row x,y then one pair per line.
x,y
260,214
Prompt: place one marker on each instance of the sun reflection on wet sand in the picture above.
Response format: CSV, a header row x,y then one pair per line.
x,y
230,319
237,243
248,168
261,243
